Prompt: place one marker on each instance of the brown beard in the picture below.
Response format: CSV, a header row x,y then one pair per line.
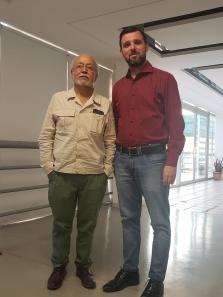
x,y
136,63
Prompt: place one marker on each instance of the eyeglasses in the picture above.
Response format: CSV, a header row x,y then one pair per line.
x,y
85,67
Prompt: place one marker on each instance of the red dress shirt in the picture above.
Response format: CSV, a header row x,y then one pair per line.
x,y
147,109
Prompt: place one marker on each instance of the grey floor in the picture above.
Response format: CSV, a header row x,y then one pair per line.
x,y
196,256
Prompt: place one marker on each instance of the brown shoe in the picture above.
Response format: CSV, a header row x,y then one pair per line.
x,y
86,277
56,278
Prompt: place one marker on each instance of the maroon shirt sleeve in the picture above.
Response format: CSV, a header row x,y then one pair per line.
x,y
174,121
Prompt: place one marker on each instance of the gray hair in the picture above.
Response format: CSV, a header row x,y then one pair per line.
x,y
75,58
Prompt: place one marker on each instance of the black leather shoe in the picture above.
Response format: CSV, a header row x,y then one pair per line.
x,y
86,277
56,278
153,289
122,280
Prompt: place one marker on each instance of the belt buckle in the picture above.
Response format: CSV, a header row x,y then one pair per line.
x,y
135,151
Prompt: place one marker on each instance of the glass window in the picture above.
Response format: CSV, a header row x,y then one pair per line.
x,y
197,158
211,144
201,146
187,163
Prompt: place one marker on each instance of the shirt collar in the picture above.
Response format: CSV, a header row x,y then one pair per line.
x,y
147,68
71,95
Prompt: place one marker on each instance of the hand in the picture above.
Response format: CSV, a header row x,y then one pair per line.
x,y
51,174
169,174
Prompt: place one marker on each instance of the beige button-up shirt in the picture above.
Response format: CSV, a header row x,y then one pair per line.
x,y
78,139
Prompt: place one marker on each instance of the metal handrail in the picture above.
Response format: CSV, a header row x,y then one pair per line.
x,y
19,189
13,212
17,144
19,167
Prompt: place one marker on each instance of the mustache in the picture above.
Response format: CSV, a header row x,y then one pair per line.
x,y
134,52
83,75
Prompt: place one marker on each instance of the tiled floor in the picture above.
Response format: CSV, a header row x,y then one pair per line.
x,y
196,256
204,197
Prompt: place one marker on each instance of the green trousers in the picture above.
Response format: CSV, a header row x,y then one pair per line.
x,y
68,192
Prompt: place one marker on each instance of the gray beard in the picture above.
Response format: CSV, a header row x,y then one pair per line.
x,y
84,84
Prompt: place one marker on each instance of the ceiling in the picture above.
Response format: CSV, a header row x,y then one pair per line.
x,y
93,26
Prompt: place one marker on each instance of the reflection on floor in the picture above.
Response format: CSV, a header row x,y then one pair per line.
x,y
195,266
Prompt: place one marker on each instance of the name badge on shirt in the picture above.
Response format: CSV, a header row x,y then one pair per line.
x,y
98,111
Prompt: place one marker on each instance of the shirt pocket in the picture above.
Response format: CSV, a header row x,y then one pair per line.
x,y
97,123
64,120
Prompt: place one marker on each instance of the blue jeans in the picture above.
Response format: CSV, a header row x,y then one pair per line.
x,y
139,176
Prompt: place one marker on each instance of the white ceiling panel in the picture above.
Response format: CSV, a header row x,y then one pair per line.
x,y
215,75
190,35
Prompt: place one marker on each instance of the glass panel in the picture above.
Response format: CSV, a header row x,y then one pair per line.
x,y
211,147
201,147
197,158
187,166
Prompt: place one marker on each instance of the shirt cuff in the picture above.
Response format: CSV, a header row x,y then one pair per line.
x,y
48,168
171,160
108,170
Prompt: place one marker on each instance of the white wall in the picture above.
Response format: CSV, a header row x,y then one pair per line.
x,y
30,73
121,68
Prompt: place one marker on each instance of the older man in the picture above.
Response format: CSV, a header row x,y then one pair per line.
x,y
77,146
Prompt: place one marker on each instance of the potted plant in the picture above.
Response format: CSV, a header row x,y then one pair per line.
x,y
218,165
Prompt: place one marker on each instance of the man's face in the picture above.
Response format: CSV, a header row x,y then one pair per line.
x,y
134,48
84,71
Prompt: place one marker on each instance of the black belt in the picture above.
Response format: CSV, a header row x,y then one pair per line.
x,y
141,150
